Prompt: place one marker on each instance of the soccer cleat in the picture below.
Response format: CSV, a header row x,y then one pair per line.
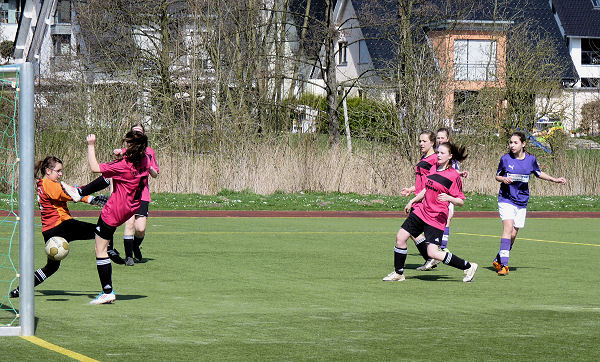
x,y
129,261
98,200
113,254
503,271
104,298
71,191
429,264
470,273
497,265
14,293
394,277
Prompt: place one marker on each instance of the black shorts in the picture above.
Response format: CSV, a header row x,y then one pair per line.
x,y
71,230
104,230
143,210
415,226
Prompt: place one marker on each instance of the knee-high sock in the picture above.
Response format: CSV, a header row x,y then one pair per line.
x,y
504,251
137,241
445,237
128,245
96,185
456,262
45,272
422,247
399,259
105,274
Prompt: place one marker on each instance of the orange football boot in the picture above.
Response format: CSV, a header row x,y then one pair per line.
x,y
497,266
503,271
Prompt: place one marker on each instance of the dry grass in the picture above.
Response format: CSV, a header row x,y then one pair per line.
x,y
266,167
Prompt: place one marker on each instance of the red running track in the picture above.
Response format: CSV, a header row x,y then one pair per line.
x,y
349,214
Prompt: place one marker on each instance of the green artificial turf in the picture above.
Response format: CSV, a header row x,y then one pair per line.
x,y
311,289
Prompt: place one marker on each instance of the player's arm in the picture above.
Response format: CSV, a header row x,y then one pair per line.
x,y
153,172
503,179
457,201
545,176
91,156
417,198
407,191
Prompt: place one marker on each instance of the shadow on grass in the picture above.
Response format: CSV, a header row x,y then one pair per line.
x,y
432,277
144,260
90,294
511,268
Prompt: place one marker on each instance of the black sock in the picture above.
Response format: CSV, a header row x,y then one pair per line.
x,y
399,259
422,247
456,262
128,245
105,273
98,184
45,272
137,241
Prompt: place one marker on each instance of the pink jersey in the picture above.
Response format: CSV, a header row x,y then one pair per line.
x,y
153,164
431,210
422,169
128,184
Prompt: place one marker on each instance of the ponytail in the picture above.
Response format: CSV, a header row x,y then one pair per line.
x,y
459,153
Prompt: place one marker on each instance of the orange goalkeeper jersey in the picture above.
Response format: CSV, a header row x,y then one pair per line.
x,y
52,200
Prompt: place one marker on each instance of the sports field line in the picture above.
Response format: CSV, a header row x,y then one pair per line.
x,y
538,240
40,342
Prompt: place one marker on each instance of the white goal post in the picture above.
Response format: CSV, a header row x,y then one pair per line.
x,y
25,219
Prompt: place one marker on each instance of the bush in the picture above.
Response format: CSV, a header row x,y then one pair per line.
x,y
590,118
557,138
368,118
6,49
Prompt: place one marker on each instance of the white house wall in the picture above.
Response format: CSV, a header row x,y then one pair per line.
x,y
584,71
351,32
566,105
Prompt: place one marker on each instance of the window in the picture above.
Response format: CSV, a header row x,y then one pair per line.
x,y
363,52
590,82
62,44
596,4
3,16
590,51
342,50
474,60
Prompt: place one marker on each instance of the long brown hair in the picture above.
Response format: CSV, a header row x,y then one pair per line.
x,y
459,153
48,163
136,147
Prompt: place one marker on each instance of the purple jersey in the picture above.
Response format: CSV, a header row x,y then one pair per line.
x,y
431,210
128,184
422,169
517,192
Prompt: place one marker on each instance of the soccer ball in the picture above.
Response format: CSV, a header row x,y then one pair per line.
x,y
57,248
